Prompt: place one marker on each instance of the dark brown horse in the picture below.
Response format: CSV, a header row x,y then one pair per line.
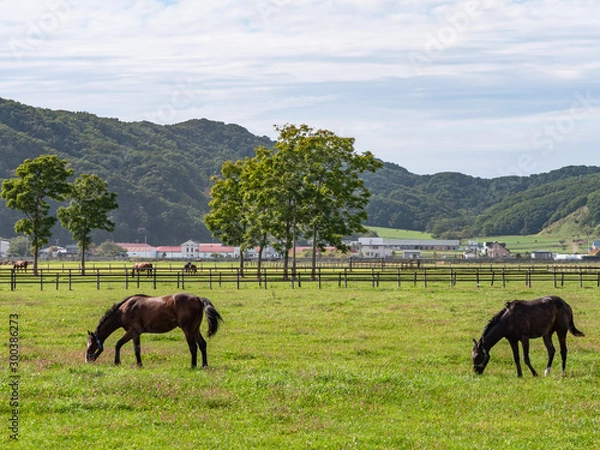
x,y
20,265
523,320
190,268
144,314
142,267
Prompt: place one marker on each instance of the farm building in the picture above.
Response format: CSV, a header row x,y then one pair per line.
x,y
384,248
137,250
169,252
210,251
4,244
541,254
496,250
190,249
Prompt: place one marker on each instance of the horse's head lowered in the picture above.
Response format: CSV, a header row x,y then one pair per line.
x,y
94,347
480,357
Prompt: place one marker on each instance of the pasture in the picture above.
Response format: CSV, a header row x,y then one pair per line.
x,y
334,368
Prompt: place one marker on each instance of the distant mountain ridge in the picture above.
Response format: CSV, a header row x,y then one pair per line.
x,y
162,173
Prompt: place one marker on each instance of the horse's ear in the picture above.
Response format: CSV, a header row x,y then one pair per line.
x,y
89,333
474,342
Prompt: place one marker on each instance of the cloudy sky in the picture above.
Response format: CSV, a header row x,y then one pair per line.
x,y
487,88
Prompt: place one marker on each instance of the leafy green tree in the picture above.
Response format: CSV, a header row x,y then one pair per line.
x,y
226,219
308,185
39,179
88,210
19,246
108,249
335,196
317,191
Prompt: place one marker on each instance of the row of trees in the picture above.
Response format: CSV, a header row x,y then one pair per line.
x,y
307,186
46,178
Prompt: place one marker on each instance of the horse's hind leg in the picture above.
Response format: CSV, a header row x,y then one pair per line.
x,y
202,344
138,350
191,340
562,342
551,352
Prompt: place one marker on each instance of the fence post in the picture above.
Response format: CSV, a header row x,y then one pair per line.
x,y
319,278
398,274
70,280
57,281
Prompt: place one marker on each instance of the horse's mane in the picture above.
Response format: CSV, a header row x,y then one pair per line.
x,y
113,309
494,320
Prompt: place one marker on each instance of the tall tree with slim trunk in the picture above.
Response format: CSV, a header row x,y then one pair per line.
x,y
308,185
39,180
335,200
88,210
226,219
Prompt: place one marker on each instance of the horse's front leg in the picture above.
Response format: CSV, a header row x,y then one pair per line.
x,y
514,344
551,351
129,335
525,342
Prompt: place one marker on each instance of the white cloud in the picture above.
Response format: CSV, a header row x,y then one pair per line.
x,y
432,85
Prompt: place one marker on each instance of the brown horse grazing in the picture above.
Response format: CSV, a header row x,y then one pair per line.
x,y
523,320
144,314
190,268
20,265
142,267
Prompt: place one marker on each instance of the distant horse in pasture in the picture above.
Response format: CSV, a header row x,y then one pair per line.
x,y
523,320
20,265
190,268
144,314
142,267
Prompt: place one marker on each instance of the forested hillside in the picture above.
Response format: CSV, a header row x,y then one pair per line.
x,y
161,174
457,205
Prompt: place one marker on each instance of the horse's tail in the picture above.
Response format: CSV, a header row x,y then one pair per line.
x,y
574,331
212,316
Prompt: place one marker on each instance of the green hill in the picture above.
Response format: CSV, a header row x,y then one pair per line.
x,y
162,173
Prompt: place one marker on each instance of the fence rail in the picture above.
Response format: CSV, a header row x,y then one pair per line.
x,y
342,276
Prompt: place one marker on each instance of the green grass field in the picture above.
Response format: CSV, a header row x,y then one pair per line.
x,y
334,368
